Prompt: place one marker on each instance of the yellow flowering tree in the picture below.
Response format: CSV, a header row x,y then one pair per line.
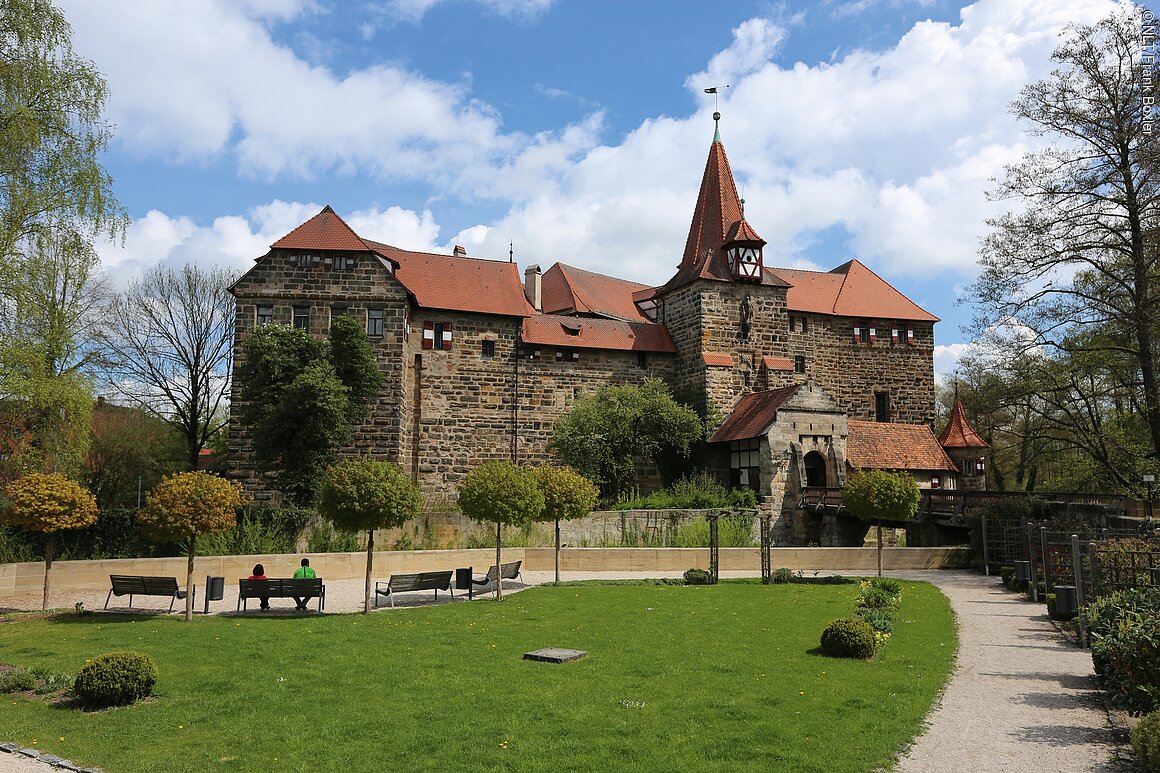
x,y
186,504
48,503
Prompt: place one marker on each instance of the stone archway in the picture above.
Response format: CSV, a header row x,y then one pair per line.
x,y
815,465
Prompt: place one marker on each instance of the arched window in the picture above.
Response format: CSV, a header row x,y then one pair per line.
x,y
815,469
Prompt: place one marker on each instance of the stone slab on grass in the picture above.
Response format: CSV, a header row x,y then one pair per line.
x,y
554,655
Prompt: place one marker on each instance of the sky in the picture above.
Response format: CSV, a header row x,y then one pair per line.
x,y
572,130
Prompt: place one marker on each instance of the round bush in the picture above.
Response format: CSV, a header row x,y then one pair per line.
x,y
116,678
782,575
848,638
1146,740
698,577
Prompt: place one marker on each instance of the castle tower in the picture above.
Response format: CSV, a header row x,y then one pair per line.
x,y
725,311
966,449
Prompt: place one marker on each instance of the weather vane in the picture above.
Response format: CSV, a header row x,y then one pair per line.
x,y
713,90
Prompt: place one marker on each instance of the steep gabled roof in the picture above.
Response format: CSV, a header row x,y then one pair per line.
x,y
324,231
718,211
458,283
958,432
753,415
850,290
875,445
588,333
569,290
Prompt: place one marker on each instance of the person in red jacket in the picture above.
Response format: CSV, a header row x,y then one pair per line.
x,y
260,574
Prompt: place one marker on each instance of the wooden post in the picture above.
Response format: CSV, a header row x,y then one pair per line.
x,y
986,555
1034,587
1046,560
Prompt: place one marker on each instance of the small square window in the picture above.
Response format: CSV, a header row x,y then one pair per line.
x,y
374,322
302,317
265,315
864,332
936,481
487,348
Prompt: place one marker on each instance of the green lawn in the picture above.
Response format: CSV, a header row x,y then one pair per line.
x,y
716,678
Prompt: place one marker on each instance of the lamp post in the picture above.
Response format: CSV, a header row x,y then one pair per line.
x,y
1148,481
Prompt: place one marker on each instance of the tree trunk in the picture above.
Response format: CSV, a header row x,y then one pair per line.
x,y
498,579
880,548
47,566
557,550
189,580
370,560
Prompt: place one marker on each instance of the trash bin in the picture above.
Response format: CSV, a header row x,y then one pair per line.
x,y
1022,570
463,580
1066,601
215,590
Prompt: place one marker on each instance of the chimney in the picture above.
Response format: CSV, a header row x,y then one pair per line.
x,y
532,286
460,251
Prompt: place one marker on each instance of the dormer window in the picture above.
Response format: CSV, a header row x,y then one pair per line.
x,y
742,249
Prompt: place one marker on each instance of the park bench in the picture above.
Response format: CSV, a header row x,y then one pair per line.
x,y
137,585
504,572
398,583
281,588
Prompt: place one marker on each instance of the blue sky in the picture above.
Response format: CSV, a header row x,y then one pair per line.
x,y
577,129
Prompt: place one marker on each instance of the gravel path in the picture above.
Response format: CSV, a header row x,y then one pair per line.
x,y
1021,698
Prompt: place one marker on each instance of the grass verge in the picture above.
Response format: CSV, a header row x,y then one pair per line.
x,y
723,677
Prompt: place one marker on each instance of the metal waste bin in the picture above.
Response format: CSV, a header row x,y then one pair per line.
x,y
1022,570
1066,601
463,580
215,590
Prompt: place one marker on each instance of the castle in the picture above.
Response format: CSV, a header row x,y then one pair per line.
x,y
809,373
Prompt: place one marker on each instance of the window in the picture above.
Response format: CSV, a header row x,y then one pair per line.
x,y
374,322
804,324
798,325
745,462
302,317
641,360
567,355
936,481
265,315
437,335
345,262
900,335
799,363
487,349
881,406
864,332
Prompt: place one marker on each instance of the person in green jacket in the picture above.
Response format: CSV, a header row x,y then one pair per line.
x,y
304,572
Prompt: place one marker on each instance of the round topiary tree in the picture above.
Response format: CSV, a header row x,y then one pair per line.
x,y
365,494
500,492
877,495
848,637
116,678
1146,740
186,504
48,503
567,495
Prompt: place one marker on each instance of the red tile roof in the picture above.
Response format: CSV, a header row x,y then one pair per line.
x,y
569,290
958,432
741,231
753,415
718,211
324,231
777,363
589,333
850,290
716,359
874,445
459,284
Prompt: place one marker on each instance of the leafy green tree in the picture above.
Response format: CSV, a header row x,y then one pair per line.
x,y
48,503
130,452
186,504
567,495
290,393
606,436
877,495
168,339
366,494
52,132
499,492
1071,270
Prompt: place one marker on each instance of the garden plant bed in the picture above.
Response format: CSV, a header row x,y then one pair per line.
x,y
722,677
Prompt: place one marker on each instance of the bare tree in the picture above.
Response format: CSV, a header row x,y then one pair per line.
x,y
1075,264
169,338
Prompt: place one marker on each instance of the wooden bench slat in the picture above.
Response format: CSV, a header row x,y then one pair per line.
x,y
281,588
398,583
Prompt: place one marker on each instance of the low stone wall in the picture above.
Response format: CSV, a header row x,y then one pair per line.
x,y
28,578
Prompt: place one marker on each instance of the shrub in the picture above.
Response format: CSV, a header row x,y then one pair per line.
x,y
17,681
782,575
881,620
116,678
698,577
875,598
888,584
848,637
1125,643
1007,575
1146,740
